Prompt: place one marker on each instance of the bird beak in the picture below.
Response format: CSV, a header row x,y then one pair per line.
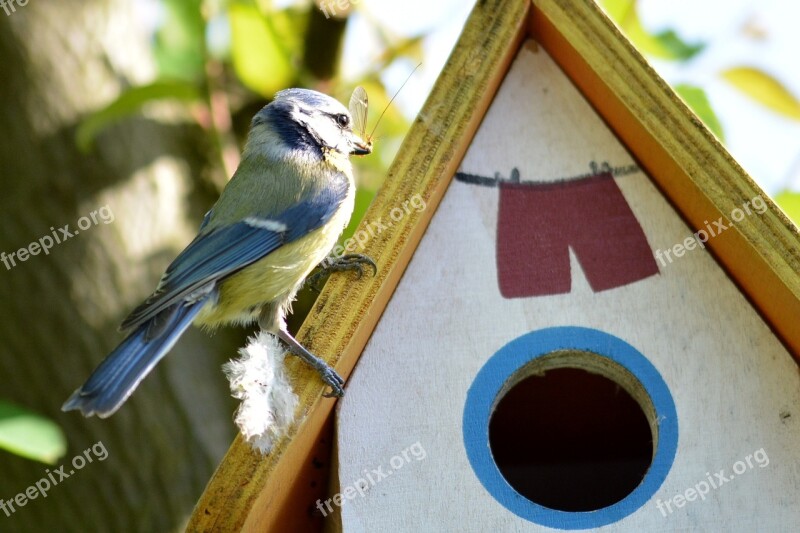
x,y
360,146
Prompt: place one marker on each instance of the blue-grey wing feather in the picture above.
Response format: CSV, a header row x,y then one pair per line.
x,y
222,251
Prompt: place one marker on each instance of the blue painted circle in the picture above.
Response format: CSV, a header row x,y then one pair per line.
x,y
509,359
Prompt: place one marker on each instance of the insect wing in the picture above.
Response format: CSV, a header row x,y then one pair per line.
x,y
358,111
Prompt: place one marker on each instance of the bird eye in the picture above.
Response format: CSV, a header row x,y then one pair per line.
x,y
343,120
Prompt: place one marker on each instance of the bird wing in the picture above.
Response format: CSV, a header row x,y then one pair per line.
x,y
224,250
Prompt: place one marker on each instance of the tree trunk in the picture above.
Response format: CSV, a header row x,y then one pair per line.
x,y
60,310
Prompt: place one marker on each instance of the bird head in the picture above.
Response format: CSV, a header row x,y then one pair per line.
x,y
308,120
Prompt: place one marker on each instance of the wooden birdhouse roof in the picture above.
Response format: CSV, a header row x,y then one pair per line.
x,y
636,114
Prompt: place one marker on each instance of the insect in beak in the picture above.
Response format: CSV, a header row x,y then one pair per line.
x,y
359,104
360,146
359,107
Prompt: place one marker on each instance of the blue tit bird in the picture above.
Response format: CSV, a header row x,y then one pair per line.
x,y
277,219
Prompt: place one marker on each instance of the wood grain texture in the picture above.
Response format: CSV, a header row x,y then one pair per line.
x,y
257,493
694,170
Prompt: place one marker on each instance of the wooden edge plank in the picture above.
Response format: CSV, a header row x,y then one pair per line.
x,y
688,163
252,492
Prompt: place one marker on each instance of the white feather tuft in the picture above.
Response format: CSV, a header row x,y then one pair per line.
x,y
259,380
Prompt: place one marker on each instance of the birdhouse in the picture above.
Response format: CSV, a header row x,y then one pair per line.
x,y
585,315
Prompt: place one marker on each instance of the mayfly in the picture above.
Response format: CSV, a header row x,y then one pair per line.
x,y
359,106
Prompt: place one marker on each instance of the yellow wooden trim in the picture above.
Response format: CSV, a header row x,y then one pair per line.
x,y
263,493
686,161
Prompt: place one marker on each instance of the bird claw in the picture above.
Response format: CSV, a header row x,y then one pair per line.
x,y
334,381
329,376
341,264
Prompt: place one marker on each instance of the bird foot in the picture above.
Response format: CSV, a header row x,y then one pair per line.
x,y
343,263
326,373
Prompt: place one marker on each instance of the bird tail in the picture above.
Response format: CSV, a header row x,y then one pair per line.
x,y
121,372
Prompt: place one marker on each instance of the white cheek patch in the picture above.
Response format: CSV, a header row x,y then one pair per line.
x,y
323,129
330,134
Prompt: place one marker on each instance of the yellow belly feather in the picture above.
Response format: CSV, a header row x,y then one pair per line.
x,y
275,278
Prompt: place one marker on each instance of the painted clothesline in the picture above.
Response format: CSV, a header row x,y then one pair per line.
x,y
595,169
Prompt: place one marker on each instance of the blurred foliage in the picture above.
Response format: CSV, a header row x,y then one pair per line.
x,y
179,43
758,85
264,48
29,435
128,103
754,82
260,51
663,45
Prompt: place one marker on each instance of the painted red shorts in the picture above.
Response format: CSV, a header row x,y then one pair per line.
x,y
538,223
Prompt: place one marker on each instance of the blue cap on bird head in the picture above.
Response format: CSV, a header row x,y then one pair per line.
x,y
310,120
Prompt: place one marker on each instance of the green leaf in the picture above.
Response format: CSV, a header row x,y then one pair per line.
x,y
790,203
764,89
179,44
676,48
129,103
663,45
29,435
259,58
696,99
289,26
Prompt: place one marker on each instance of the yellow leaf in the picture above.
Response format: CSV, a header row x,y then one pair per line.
x,y
258,58
764,89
